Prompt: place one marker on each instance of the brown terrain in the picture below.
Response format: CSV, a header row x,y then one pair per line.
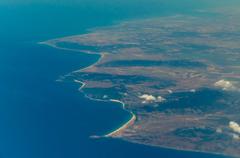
x,y
179,75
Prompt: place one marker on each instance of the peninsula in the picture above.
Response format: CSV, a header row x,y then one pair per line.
x,y
178,76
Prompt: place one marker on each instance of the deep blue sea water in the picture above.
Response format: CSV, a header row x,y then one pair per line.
x,y
42,118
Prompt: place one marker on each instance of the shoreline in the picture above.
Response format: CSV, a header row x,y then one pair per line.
x,y
53,45
178,149
120,129
131,121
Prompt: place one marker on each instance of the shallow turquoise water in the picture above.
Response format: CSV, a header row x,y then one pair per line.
x,y
40,117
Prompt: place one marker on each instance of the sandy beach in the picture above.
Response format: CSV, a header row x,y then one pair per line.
x,y
117,131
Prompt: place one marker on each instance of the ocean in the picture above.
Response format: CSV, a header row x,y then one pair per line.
x,y
43,118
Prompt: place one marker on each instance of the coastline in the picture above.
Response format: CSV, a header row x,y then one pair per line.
x,y
179,149
120,129
131,121
102,54
123,127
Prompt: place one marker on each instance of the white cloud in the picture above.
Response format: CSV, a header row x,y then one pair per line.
x,y
160,99
193,90
234,126
150,98
147,97
235,136
224,84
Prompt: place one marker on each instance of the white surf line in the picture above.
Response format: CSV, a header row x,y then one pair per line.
x,y
123,127
51,44
90,66
102,54
120,129
118,101
131,121
83,84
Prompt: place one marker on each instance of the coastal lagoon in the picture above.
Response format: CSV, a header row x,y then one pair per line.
x,y
41,117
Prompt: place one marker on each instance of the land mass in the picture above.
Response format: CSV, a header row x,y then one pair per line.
x,y
178,75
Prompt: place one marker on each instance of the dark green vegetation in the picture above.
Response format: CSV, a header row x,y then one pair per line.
x,y
151,63
201,101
